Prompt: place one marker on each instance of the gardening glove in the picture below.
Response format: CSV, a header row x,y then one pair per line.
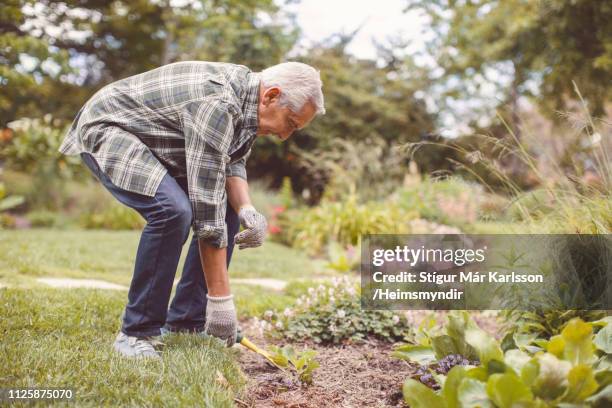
x,y
221,320
255,228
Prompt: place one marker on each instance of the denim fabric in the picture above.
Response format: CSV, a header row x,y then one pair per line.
x,y
169,218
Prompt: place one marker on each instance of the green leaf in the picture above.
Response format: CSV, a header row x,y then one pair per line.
x,y
516,359
506,390
604,378
556,345
418,354
524,339
485,345
444,345
582,383
11,202
495,367
418,395
603,339
579,347
478,373
551,381
473,393
451,385
530,372
602,399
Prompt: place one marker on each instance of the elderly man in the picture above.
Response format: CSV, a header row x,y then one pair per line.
x,y
172,144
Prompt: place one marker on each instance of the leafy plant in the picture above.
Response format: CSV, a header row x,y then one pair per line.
x,y
450,201
343,221
303,362
115,217
9,202
333,314
342,259
44,218
572,368
460,336
574,193
528,327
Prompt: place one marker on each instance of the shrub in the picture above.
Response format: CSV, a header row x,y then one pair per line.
x,y
574,194
116,217
448,201
33,149
44,219
570,369
332,314
8,202
343,259
343,222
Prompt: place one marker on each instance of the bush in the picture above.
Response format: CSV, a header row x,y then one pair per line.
x,y
116,217
44,219
332,314
570,369
450,201
343,222
533,204
33,149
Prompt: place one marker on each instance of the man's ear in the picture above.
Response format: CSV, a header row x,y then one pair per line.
x,y
271,95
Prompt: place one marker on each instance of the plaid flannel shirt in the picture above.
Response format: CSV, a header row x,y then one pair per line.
x,y
193,119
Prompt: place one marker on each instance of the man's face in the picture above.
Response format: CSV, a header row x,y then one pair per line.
x,y
278,120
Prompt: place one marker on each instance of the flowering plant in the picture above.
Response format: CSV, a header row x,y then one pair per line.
x,y
331,313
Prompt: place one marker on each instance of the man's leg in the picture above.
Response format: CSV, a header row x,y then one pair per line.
x,y
188,306
168,215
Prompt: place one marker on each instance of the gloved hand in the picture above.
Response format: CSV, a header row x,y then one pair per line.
x,y
256,228
221,320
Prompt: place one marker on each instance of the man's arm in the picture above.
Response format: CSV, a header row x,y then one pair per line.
x,y
214,259
237,193
209,127
214,263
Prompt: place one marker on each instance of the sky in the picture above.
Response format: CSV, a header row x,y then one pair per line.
x,y
379,20
319,19
376,20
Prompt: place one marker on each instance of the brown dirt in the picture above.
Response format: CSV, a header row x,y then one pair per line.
x,y
351,375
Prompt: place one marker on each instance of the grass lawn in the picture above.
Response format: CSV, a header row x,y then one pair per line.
x,y
109,255
61,338
56,338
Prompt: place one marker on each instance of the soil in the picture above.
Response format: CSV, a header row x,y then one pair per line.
x,y
350,375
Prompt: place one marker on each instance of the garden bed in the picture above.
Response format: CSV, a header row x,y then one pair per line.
x,y
352,375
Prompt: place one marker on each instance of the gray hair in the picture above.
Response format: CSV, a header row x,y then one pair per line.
x,y
299,83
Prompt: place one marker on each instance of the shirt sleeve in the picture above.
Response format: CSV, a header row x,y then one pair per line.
x,y
238,168
208,126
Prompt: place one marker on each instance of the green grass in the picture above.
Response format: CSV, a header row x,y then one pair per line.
x,y
62,339
109,255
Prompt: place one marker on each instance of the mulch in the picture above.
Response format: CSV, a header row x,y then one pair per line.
x,y
350,375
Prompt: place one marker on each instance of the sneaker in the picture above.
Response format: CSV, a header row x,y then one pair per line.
x,y
130,346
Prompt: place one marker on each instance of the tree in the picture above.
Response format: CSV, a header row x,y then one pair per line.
x,y
94,42
28,63
367,107
522,45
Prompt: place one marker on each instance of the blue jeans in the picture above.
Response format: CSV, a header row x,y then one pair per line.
x,y
169,217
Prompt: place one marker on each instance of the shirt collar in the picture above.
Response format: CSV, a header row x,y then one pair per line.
x,y
250,101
